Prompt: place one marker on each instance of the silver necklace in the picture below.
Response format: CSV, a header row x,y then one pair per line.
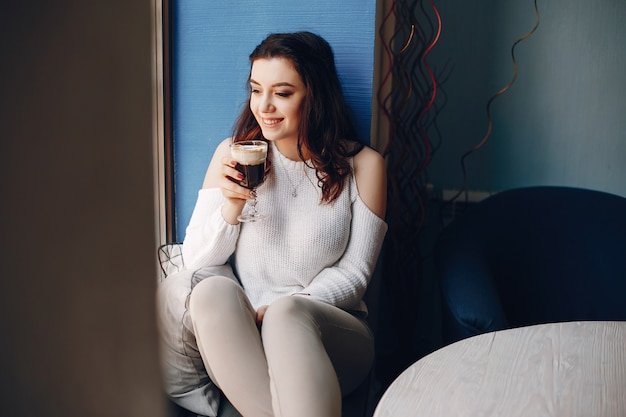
x,y
294,188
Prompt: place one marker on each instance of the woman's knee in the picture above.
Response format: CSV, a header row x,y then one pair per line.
x,y
288,315
212,293
286,308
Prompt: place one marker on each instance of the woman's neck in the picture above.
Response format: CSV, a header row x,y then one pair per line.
x,y
289,149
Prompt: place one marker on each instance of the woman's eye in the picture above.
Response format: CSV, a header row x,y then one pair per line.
x,y
283,94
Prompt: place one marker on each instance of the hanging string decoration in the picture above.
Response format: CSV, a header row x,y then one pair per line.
x,y
408,98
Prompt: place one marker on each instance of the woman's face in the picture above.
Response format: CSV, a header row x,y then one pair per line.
x,y
276,96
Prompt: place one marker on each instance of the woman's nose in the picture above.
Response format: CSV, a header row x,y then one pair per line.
x,y
267,104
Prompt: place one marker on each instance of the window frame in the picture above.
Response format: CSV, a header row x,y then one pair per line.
x,y
163,149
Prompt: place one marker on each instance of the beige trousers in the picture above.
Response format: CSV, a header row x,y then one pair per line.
x,y
305,356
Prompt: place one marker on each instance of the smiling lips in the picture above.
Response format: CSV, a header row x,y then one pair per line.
x,y
271,122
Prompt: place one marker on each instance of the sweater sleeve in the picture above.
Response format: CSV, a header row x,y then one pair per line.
x,y
344,283
209,239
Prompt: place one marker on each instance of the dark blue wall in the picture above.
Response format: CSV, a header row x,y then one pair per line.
x,y
211,42
564,120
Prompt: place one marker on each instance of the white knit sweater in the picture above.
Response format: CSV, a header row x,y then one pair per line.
x,y
327,251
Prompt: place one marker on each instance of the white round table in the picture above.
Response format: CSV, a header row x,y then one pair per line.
x,y
562,369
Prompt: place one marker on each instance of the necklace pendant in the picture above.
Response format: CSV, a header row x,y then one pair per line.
x,y
294,193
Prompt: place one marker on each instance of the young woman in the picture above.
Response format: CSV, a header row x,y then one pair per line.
x,y
285,334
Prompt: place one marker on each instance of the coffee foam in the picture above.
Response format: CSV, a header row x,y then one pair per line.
x,y
248,154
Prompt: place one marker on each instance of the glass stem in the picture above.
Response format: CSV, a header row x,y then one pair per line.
x,y
253,203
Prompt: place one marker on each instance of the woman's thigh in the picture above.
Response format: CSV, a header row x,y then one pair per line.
x,y
315,329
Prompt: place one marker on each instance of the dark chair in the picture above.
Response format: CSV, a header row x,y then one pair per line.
x,y
533,255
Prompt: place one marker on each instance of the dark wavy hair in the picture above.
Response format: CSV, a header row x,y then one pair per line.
x,y
326,128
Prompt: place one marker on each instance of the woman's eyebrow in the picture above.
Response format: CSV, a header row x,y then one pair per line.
x,y
280,84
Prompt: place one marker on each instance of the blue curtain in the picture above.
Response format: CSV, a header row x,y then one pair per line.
x,y
211,42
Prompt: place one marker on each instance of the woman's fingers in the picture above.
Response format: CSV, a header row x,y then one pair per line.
x,y
260,314
230,182
231,189
228,169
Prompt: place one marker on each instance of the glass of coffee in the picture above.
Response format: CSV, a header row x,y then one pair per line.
x,y
250,156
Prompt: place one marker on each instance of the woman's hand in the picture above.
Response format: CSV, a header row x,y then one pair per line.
x,y
223,175
260,313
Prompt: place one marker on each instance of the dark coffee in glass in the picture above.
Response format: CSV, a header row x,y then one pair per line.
x,y
250,156
253,174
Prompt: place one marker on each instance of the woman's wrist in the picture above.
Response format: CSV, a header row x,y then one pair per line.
x,y
231,209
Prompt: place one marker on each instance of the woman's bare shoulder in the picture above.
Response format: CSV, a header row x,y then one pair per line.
x,y
368,155
370,173
215,167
